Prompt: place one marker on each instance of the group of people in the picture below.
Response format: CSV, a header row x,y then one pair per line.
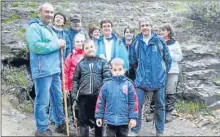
x,y
107,77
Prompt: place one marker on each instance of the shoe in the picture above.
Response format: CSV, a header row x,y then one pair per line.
x,y
62,129
168,117
159,134
149,117
48,132
132,134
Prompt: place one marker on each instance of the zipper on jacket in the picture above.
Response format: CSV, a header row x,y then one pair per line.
x,y
91,87
39,65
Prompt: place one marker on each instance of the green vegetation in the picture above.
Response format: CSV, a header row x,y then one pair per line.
x,y
217,79
190,107
11,18
34,14
22,30
14,5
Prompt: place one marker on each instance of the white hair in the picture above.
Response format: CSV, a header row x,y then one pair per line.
x,y
44,5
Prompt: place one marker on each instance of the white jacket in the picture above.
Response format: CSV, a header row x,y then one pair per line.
x,y
176,54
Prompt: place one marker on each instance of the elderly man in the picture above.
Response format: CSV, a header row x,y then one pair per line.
x,y
44,47
75,28
153,61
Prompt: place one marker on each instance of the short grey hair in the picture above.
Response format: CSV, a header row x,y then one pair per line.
x,y
44,4
117,61
145,19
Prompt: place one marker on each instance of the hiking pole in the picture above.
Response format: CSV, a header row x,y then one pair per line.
x,y
74,114
64,93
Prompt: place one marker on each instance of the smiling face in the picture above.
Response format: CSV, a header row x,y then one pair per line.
x,y
107,29
145,28
128,34
164,33
58,20
96,34
79,41
46,13
89,48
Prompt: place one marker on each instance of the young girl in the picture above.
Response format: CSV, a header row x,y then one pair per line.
x,y
69,69
90,74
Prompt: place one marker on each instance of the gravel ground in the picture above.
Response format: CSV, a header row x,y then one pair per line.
x,y
16,123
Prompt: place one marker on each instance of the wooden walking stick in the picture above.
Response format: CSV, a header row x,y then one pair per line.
x,y
64,93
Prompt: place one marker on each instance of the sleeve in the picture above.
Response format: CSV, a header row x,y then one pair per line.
x,y
134,55
67,67
133,103
100,103
123,54
106,74
177,54
37,45
68,46
76,79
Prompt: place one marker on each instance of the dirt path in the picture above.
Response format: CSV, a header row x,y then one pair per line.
x,y
16,123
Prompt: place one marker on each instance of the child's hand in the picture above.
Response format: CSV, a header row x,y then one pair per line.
x,y
132,123
99,122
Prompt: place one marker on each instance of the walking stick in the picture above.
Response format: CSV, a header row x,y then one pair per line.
x,y
64,93
74,114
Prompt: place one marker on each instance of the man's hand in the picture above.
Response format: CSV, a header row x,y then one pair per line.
x,y
99,122
62,43
132,123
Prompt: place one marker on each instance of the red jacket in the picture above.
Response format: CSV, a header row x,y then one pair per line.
x,y
71,61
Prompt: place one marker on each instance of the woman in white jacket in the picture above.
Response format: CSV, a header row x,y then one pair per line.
x,y
167,33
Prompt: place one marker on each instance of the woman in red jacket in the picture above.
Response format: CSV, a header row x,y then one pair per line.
x,y
71,61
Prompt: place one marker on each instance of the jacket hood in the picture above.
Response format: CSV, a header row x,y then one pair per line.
x,y
171,41
34,20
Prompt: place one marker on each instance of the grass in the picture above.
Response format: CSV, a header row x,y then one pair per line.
x,y
11,18
192,108
34,14
217,79
14,5
22,30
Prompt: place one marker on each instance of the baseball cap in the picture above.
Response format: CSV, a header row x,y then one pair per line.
x,y
75,17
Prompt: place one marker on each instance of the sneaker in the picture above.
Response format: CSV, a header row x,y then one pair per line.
x,y
159,134
62,129
48,132
168,117
149,117
132,134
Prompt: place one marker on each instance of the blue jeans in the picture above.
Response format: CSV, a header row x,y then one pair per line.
x,y
51,111
43,88
159,113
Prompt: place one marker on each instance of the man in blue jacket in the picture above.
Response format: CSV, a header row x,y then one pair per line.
x,y
44,47
75,28
153,61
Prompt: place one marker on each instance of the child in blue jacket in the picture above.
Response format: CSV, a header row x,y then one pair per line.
x,y
117,102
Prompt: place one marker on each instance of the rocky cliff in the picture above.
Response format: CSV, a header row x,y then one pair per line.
x,y
200,77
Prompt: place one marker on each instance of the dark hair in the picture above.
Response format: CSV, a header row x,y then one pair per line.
x,y
169,28
64,17
129,28
91,29
106,21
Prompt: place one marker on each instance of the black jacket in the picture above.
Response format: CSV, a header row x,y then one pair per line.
x,y
89,76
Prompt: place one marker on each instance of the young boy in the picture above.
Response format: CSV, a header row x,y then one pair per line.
x,y
90,74
117,102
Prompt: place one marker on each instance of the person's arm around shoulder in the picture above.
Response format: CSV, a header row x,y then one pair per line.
x,y
133,105
177,55
38,46
100,106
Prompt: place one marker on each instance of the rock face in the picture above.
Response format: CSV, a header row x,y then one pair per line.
x,y
200,77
